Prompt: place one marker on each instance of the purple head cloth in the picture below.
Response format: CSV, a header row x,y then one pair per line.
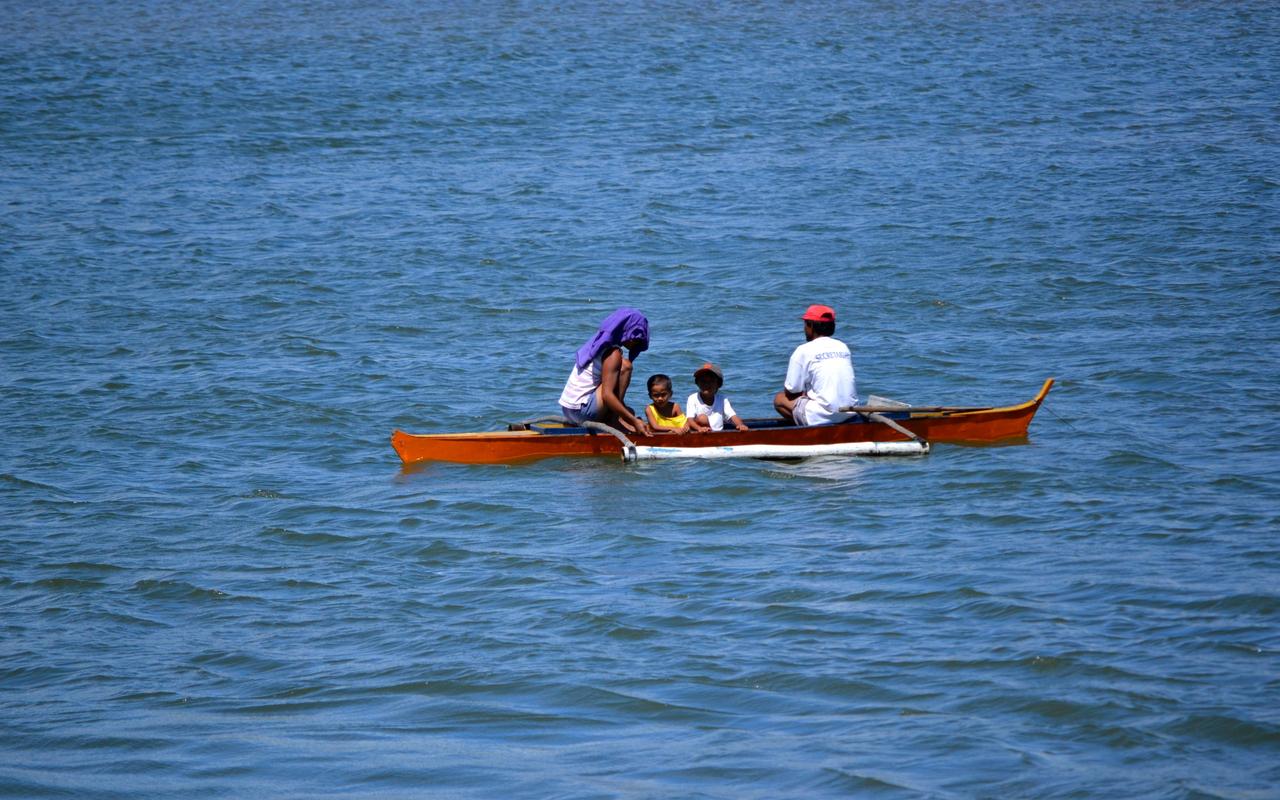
x,y
622,325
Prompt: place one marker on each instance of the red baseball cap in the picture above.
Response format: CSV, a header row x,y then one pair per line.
x,y
816,313
712,368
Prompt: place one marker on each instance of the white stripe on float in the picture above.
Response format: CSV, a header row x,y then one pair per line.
x,y
646,453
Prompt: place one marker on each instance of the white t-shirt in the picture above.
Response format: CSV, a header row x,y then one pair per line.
x,y
822,370
582,383
717,413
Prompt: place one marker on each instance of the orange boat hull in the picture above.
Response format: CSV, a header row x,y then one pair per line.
x,y
945,426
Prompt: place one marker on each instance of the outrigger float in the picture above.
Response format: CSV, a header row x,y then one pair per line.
x,y
873,431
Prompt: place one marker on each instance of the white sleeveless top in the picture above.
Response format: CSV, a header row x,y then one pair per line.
x,y
582,384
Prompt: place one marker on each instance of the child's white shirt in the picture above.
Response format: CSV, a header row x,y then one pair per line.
x,y
717,412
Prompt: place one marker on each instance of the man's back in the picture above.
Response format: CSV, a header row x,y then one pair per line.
x,y
822,369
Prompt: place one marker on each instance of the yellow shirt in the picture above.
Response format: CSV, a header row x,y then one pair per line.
x,y
677,422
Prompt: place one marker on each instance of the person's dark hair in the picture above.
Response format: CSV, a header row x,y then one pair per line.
x,y
823,327
657,380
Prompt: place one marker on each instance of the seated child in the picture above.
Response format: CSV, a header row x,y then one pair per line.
x,y
664,415
707,410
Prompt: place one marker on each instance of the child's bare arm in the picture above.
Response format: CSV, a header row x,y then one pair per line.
x,y
676,412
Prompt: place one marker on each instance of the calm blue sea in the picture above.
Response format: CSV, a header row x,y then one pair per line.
x,y
242,242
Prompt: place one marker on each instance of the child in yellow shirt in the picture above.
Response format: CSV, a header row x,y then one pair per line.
x,y
664,415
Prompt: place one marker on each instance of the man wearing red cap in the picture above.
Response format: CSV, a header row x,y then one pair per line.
x,y
820,378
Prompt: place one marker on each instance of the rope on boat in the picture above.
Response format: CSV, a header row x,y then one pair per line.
x,y
628,447
523,425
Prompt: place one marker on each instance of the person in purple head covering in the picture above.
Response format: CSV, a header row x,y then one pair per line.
x,y
597,386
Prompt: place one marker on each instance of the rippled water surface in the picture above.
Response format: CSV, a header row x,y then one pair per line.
x,y
242,242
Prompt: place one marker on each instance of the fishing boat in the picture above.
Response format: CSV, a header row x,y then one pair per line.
x,y
873,430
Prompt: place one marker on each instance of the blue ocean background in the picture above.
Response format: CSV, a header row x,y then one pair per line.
x,y
242,242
